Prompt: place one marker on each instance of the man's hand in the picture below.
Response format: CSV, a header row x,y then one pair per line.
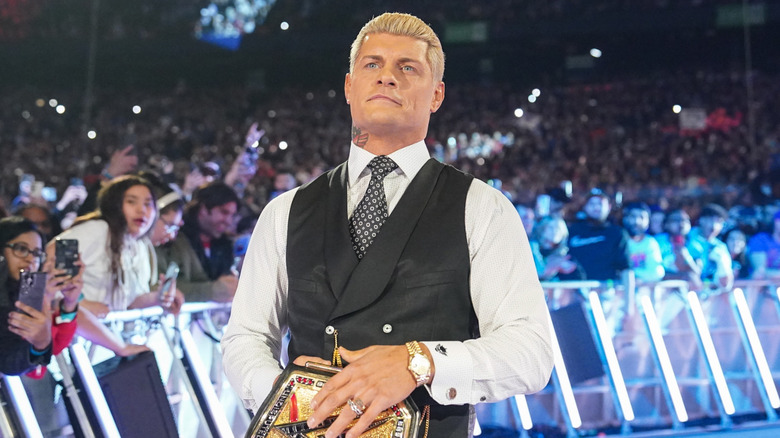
x,y
378,376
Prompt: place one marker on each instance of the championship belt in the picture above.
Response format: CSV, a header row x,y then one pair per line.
x,y
284,412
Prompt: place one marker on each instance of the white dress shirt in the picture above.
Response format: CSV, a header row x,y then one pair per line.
x,y
512,355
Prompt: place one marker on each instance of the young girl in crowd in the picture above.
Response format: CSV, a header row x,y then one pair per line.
x,y
28,337
119,258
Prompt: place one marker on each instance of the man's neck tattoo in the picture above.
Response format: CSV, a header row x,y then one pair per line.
x,y
358,137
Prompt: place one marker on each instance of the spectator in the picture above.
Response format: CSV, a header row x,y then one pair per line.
x,y
118,257
203,249
736,241
550,251
527,215
644,254
764,251
657,217
681,255
28,340
716,260
41,217
600,247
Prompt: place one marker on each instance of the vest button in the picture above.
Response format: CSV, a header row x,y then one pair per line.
x,y
387,328
330,330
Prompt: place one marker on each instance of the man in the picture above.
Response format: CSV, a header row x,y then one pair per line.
x,y
681,255
450,267
716,260
203,250
598,245
644,254
764,250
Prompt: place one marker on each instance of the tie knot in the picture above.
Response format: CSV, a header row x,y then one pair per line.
x,y
381,165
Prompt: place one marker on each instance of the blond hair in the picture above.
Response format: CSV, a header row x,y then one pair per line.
x,y
396,23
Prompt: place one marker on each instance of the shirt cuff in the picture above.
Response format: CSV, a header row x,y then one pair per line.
x,y
261,382
454,370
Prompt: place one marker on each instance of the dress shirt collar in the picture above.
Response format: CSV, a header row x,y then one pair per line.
x,y
410,160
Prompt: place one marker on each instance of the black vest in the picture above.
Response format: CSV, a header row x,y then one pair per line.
x,y
412,284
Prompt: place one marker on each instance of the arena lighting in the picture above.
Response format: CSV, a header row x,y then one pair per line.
x,y
522,410
284,25
519,112
22,406
709,351
677,109
136,109
52,103
40,103
536,92
283,145
759,359
564,385
608,348
531,98
596,53
91,134
663,358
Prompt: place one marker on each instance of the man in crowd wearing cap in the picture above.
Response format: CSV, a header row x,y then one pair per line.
x,y
599,246
716,261
203,250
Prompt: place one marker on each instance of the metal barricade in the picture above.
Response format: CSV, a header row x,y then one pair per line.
x,y
670,353
186,366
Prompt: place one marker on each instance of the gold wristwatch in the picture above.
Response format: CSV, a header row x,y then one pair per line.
x,y
419,364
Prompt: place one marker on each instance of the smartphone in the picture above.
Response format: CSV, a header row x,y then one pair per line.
x,y
49,194
67,252
76,182
543,205
32,286
170,275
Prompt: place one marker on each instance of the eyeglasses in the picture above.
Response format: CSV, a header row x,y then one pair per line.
x,y
170,228
21,250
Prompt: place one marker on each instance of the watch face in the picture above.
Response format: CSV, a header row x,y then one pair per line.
x,y
420,364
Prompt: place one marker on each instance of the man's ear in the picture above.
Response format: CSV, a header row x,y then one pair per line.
x,y
347,86
438,97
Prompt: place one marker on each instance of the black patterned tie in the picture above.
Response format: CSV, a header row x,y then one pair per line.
x,y
371,212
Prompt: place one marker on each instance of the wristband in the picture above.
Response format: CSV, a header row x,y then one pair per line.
x,y
35,352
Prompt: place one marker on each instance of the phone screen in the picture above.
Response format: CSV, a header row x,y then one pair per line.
x,y
170,275
66,253
32,286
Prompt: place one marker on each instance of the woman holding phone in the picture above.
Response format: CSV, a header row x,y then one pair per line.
x,y
120,264
28,336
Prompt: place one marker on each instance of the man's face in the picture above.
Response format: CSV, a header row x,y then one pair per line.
x,y
218,220
710,226
391,90
636,221
678,224
597,208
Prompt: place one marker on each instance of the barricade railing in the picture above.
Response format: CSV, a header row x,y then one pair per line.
x,y
186,365
707,356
